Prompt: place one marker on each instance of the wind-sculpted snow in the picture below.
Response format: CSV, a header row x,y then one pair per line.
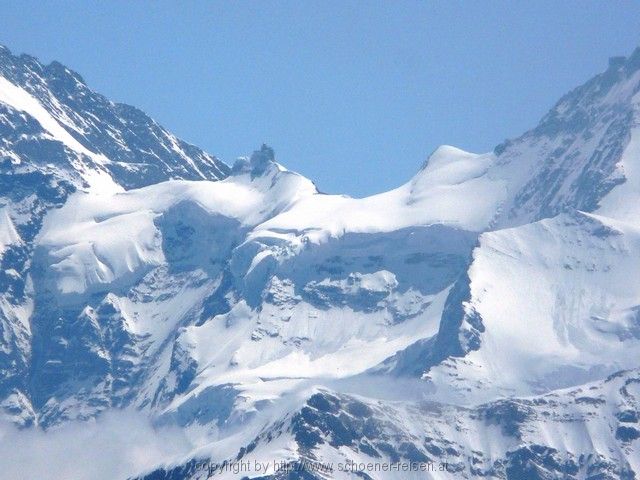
x,y
275,296
454,320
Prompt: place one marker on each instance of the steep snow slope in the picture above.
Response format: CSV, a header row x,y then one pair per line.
x,y
267,319
574,157
51,105
578,153
207,292
453,188
501,332
577,321
546,304
96,239
58,136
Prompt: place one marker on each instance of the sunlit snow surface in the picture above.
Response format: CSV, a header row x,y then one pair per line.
x,y
476,315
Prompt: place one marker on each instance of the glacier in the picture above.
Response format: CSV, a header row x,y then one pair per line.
x,y
485,315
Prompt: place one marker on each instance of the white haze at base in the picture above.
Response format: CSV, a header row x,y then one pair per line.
x,y
123,443
117,445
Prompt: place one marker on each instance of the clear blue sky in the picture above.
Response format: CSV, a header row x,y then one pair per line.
x,y
354,95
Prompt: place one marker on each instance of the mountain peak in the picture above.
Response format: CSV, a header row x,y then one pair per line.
x,y
233,309
108,139
260,161
630,63
57,69
617,62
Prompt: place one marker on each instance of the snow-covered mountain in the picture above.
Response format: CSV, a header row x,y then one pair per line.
x,y
485,315
57,137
